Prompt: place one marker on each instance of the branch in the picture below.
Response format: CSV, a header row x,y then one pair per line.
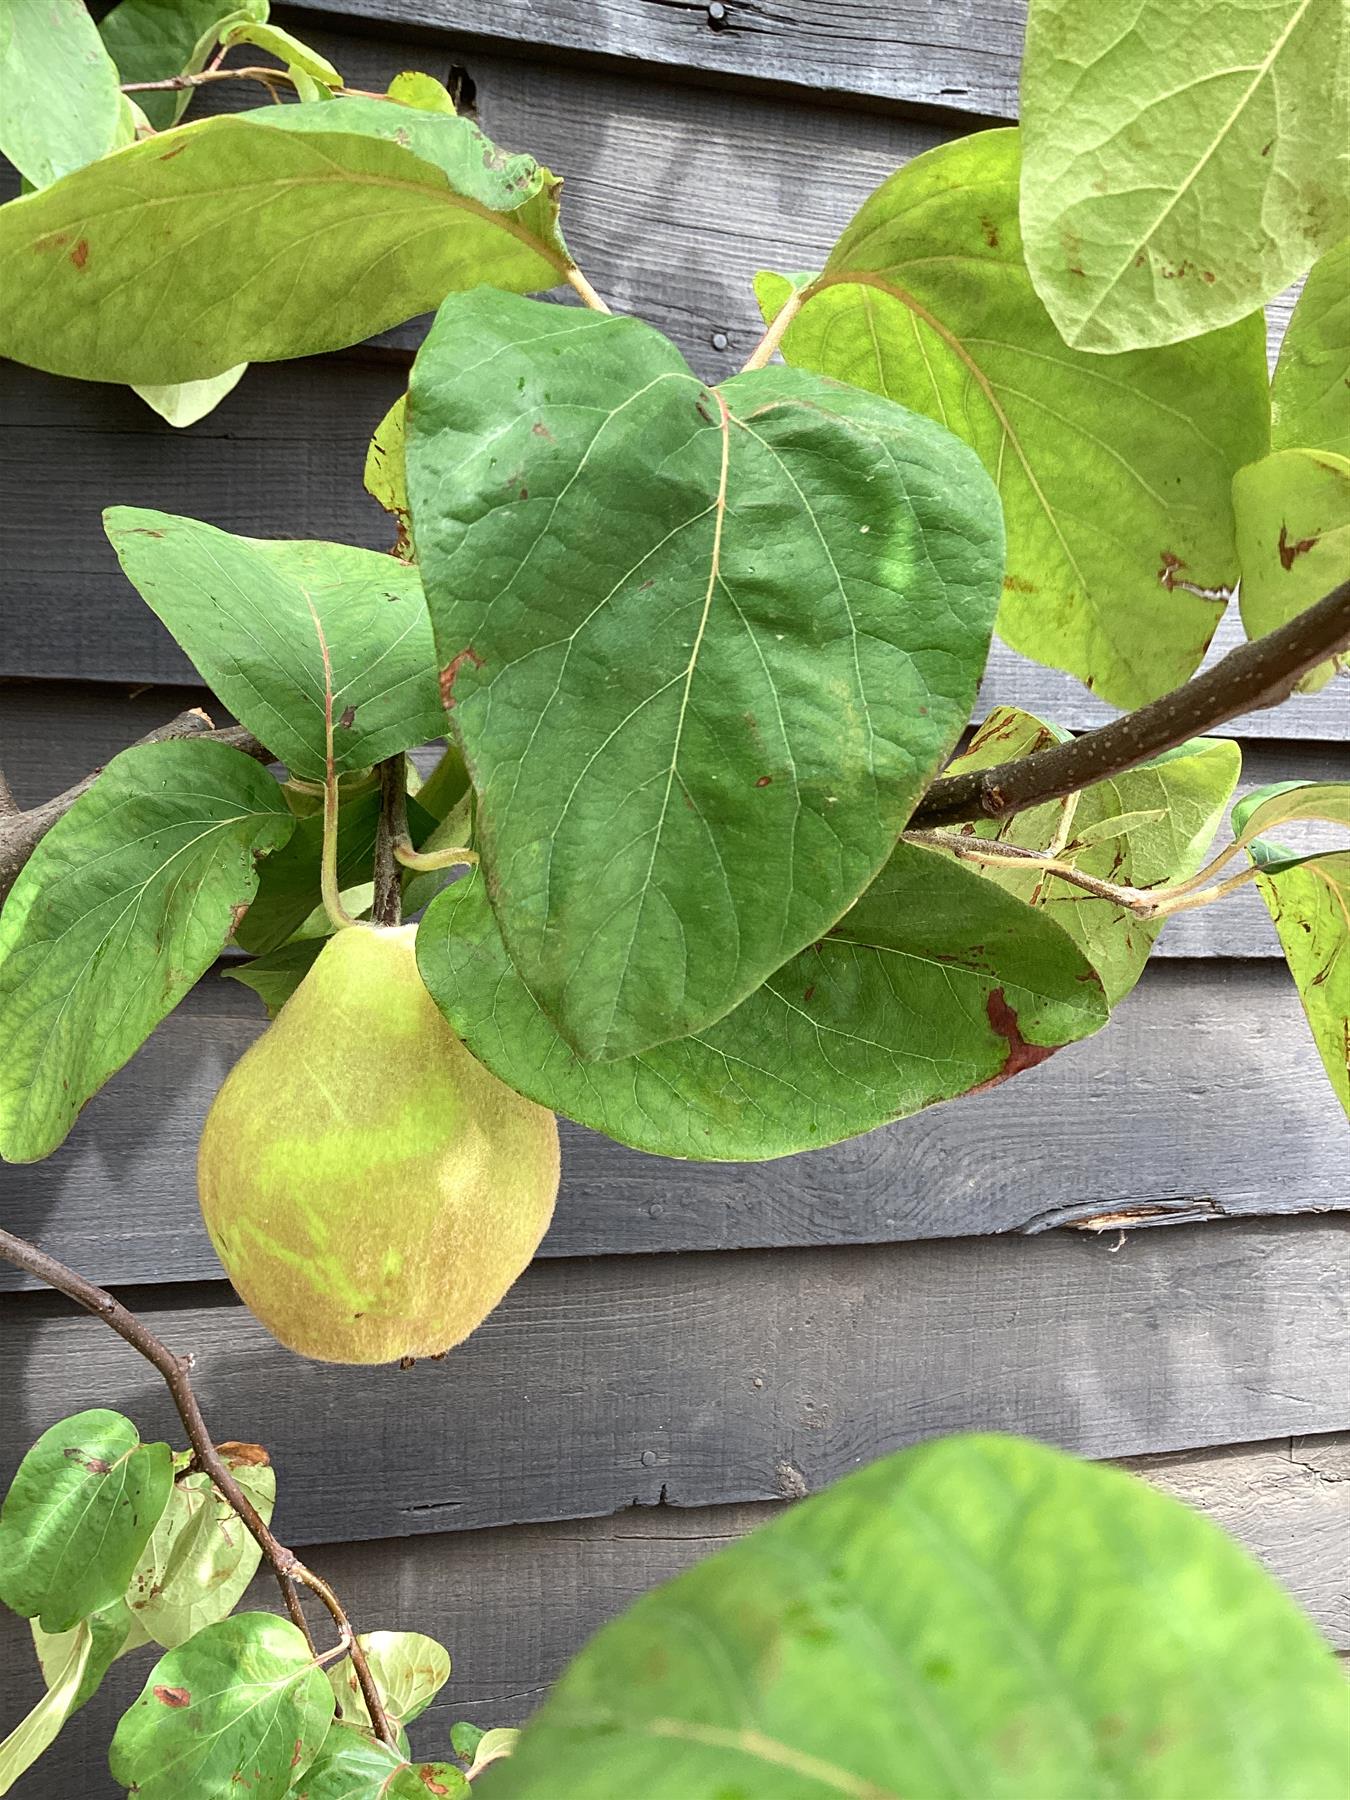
x,y
22,832
1262,673
285,1564
386,907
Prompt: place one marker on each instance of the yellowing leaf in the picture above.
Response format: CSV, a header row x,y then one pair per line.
x,y
1114,473
1185,160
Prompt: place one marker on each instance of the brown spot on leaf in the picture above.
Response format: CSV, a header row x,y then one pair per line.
x,y
92,1465
298,1752
1290,550
173,1696
990,231
1167,574
54,240
450,673
1266,148
524,493
1014,584
177,150
80,254
764,781
1021,1055
244,1456
237,912
809,995
540,430
348,718
428,1778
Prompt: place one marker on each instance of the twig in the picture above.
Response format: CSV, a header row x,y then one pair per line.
x,y
773,336
386,907
285,1564
22,832
1259,674
989,850
583,287
8,804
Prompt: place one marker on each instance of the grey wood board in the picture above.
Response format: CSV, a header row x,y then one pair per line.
x,y
961,57
514,1603
1203,1098
719,1377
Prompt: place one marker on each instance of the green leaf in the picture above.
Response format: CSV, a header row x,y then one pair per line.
x,y
200,1558
465,1737
1309,392
184,402
493,1746
38,1731
413,88
1183,164
1290,803
935,983
123,905
60,106
240,1707
78,1514
112,1632
386,478
977,1616
704,648
323,227
275,976
352,1766
1309,900
409,1671
1293,519
1114,475
154,40
1147,828
286,47
256,615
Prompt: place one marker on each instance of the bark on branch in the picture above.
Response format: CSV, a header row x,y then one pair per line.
x,y
1262,673
285,1564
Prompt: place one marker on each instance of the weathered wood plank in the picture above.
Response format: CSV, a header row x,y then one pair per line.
x,y
962,57
712,1378
514,1603
1203,1098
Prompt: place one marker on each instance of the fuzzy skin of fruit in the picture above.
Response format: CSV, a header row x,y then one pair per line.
x,y
372,1190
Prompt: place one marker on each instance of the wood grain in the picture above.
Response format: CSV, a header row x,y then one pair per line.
x,y
720,1378
513,1604
962,57
1204,1097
